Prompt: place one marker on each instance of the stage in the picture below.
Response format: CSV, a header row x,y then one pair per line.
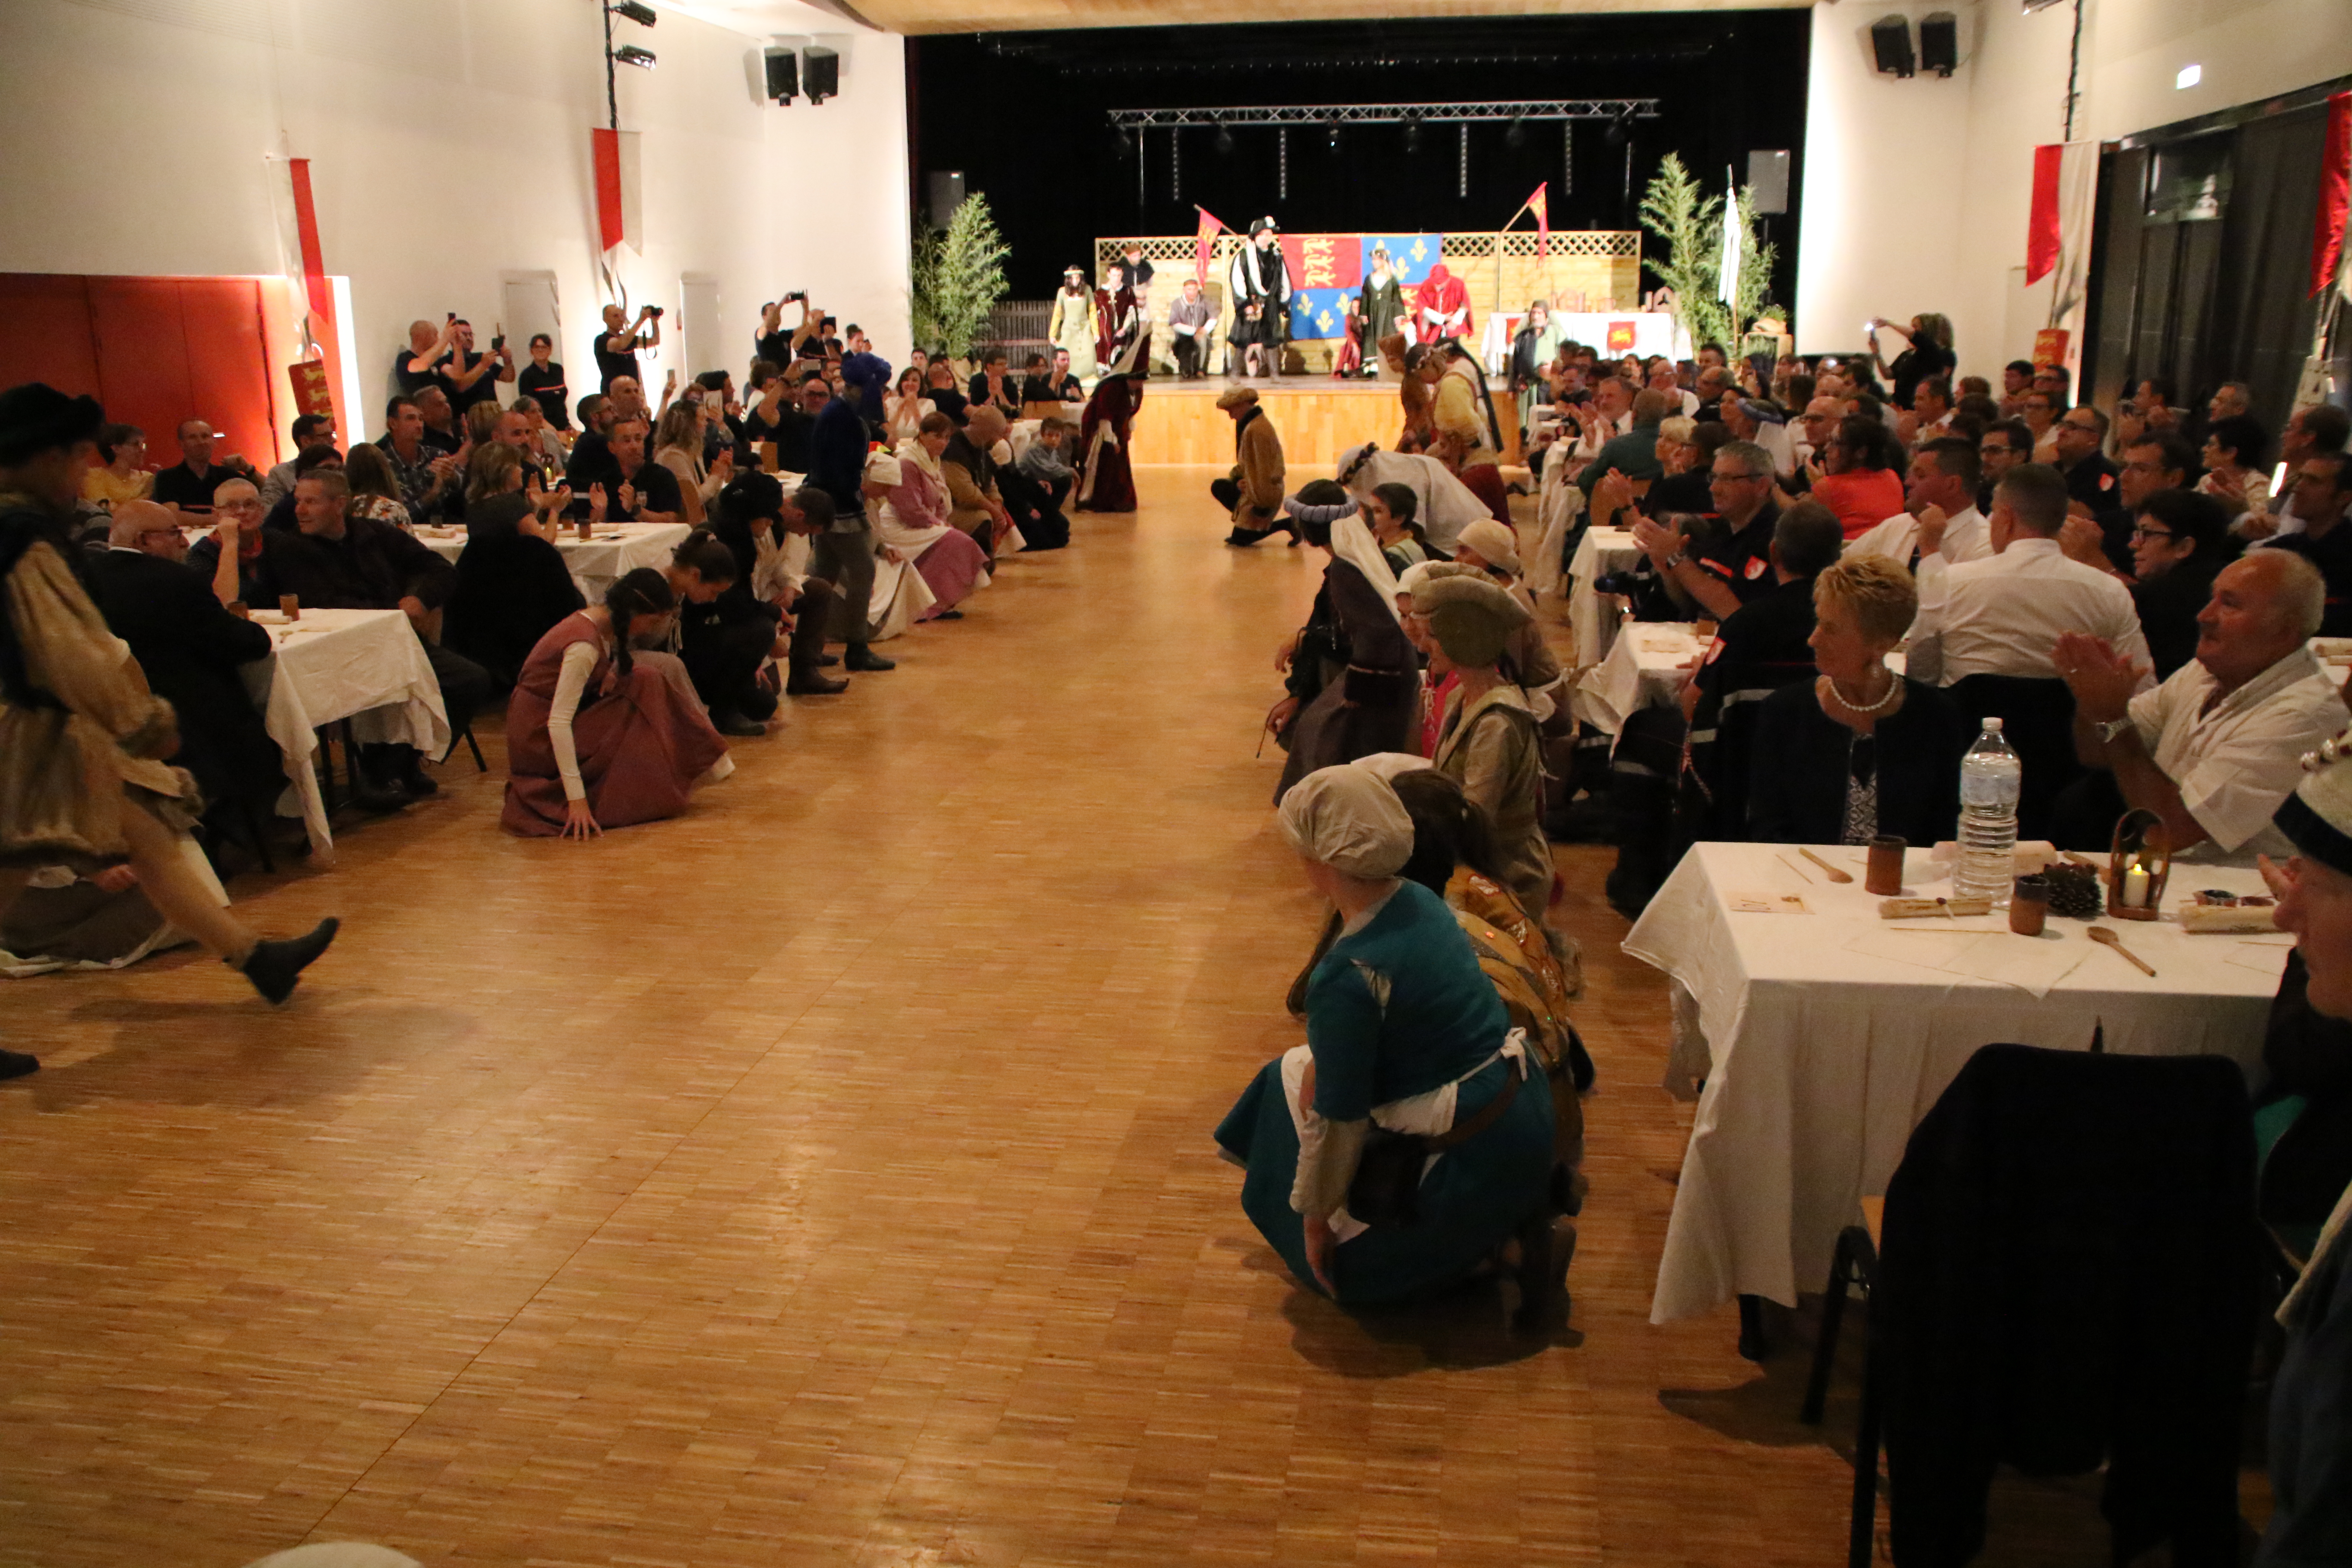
x,y
1317,417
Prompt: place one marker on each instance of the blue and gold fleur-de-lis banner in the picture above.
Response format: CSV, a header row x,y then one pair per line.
x,y
1319,313
1410,256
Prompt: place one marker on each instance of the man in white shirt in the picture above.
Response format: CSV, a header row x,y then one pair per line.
x,y
1608,416
1662,378
2217,747
2004,615
1942,517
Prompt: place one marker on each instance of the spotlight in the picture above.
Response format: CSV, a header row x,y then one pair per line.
x,y
630,54
636,11
1412,131
1331,133
1225,138
1515,134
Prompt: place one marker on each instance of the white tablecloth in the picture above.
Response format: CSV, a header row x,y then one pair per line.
x,y
1647,667
1827,1035
618,549
1592,618
362,665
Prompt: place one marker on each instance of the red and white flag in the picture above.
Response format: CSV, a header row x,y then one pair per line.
x,y
1538,205
2334,195
1204,243
619,217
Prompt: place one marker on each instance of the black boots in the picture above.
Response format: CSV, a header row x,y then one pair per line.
x,y
275,966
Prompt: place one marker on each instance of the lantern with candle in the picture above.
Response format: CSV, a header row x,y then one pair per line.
x,y
2139,862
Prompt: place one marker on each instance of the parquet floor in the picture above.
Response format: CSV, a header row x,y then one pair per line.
x,y
824,1177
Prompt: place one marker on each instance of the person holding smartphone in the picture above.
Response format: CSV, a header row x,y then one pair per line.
x,y
543,381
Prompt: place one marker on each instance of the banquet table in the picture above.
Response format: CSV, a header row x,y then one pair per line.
x,y
1646,667
1590,618
362,665
595,563
1823,1034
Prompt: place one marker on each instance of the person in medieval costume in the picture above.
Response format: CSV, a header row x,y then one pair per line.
x,y
1073,324
1381,306
1440,307
1106,474
1260,282
1120,338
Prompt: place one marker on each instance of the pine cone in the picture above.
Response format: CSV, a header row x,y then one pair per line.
x,y
2076,892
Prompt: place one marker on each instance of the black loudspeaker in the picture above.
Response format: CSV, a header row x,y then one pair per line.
x,y
946,194
783,74
1768,176
1890,40
821,72
1939,43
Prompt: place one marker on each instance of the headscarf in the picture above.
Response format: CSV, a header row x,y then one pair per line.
x,y
911,450
1347,818
1387,765
1444,505
1353,542
1493,543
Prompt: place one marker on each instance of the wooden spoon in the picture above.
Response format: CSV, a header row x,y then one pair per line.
x,y
2102,935
1836,875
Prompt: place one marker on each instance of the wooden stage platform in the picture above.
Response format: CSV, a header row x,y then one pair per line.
x,y
1316,416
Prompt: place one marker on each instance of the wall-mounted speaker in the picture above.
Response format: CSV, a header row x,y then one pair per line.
x,y
783,73
1767,177
1890,41
1939,43
821,73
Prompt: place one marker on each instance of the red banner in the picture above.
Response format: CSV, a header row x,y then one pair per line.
x,y
2334,194
1323,261
1204,244
612,227
306,229
2042,230
1537,204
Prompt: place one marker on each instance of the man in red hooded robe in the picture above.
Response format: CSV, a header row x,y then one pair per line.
x,y
1440,307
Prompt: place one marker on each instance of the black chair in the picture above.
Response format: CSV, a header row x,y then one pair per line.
x,y
1714,791
2067,1275
2037,718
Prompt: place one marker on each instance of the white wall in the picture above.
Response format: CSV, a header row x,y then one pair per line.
x,y
448,142
1916,193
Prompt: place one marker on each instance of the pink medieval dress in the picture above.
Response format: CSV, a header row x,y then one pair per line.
x,y
915,523
640,739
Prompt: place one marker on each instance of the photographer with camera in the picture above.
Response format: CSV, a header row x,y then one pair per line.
x,y
779,347
618,346
470,378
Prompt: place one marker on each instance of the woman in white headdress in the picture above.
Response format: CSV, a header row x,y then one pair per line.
x,y
1411,1141
1352,677
1444,505
1072,326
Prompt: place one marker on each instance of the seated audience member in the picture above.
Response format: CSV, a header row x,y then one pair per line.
x,y
628,399
2317,431
2003,446
1858,751
724,640
1034,488
908,407
120,473
1683,482
512,585
1734,563
2234,474
2003,615
2179,540
310,431
943,395
1046,463
2217,747
1487,739
994,386
1251,491
1942,513
427,475
1037,383
192,651
641,491
2091,481
969,465
188,485
599,735
1857,478
339,561
785,416
2314,529
279,514
376,490
1300,1130
915,523
542,382
439,424
236,517
2039,414
1749,419
591,461
71,707
678,446
2151,463
1816,427
1931,409
1633,454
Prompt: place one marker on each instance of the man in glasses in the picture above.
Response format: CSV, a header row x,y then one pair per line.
x,y
1733,562
2152,464
2090,473
2178,541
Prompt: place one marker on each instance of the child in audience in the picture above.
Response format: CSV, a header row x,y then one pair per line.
x,y
1044,463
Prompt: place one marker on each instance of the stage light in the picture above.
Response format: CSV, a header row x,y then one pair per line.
x,y
2188,77
636,11
1331,133
1412,131
1225,138
630,54
1515,136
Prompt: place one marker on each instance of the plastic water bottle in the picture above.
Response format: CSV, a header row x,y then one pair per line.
x,y
1991,777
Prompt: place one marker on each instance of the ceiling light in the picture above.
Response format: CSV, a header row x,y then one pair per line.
x,y
630,54
1412,131
636,11
2189,77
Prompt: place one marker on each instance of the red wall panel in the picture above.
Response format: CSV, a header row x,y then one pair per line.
x,y
142,358
48,336
229,383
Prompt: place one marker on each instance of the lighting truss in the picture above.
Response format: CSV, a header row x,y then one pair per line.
x,y
1323,115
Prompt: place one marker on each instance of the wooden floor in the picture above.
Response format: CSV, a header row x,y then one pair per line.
x,y
825,1178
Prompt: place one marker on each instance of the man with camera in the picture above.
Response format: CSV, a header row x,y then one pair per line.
x,y
470,378
775,345
617,344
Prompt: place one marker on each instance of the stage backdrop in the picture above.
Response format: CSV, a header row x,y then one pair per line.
x,y
1584,270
